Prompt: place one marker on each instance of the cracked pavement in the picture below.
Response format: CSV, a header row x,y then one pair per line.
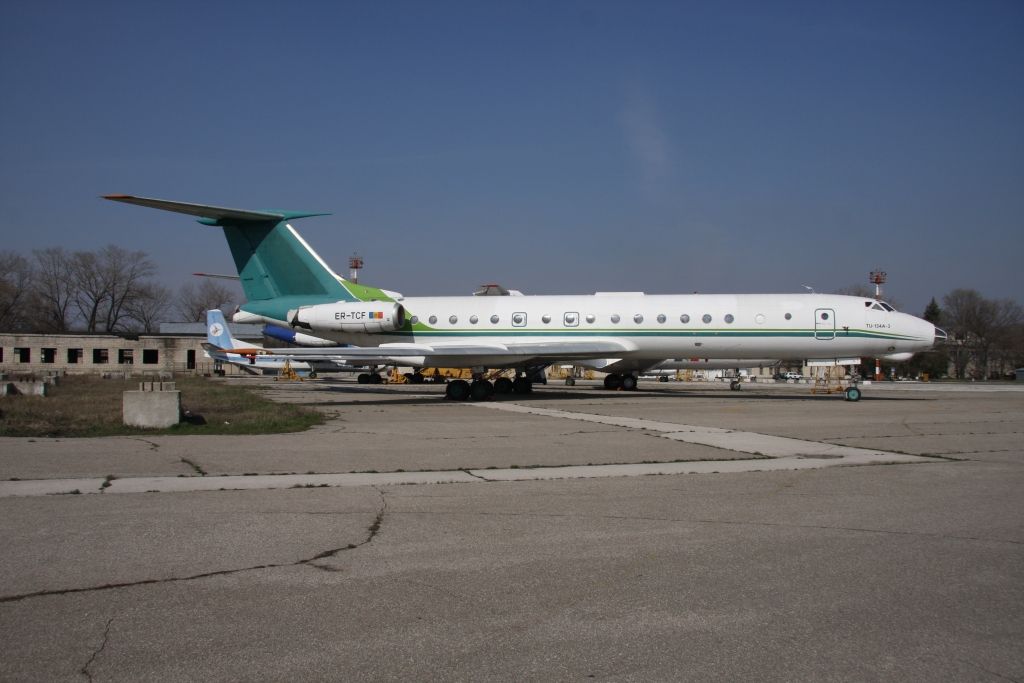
x,y
909,572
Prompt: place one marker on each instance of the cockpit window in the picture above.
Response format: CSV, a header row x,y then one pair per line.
x,y
879,306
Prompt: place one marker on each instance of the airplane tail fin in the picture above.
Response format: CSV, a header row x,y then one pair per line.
x,y
218,334
273,261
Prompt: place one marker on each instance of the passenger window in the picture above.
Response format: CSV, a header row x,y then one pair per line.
x,y
519,319
571,319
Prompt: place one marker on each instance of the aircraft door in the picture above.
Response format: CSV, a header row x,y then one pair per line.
x,y
824,323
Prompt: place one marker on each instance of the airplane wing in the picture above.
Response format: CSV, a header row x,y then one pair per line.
x,y
458,354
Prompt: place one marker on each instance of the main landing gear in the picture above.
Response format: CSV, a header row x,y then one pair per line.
x,y
369,378
616,381
482,389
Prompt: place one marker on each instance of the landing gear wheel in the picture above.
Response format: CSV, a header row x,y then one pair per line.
x,y
481,390
663,378
312,374
417,378
628,383
852,394
457,390
503,385
570,382
376,379
735,385
363,378
521,385
613,381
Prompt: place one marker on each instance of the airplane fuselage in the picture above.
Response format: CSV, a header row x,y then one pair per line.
x,y
656,327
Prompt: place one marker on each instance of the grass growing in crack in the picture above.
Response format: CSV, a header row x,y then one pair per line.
x,y
87,406
106,482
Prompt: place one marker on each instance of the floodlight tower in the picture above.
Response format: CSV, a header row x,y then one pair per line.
x,y
355,264
877,277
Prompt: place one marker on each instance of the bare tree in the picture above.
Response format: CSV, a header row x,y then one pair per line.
x,y
104,282
16,276
52,290
979,326
127,274
149,307
194,301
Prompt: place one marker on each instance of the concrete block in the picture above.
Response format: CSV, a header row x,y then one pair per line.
x,y
23,388
154,409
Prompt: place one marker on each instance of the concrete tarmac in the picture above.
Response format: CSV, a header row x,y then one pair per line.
x,y
823,567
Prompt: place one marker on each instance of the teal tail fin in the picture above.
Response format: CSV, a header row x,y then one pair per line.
x,y
273,261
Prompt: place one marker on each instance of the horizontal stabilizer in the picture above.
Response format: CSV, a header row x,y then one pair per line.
x,y
215,214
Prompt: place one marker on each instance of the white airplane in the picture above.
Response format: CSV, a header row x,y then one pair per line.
x,y
288,284
222,346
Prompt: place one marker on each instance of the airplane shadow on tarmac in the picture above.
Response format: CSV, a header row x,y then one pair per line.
x,y
360,396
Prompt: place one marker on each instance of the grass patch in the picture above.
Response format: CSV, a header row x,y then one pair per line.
x,y
84,406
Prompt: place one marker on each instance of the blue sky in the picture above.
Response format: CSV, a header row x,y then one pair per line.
x,y
554,147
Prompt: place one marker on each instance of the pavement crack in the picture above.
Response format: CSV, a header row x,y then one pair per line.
x,y
195,466
474,474
988,671
371,533
103,644
152,445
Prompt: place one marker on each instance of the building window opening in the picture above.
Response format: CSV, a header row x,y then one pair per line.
x,y
100,356
75,356
23,354
125,356
49,355
150,356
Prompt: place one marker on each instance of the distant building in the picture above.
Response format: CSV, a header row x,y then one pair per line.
x,y
102,354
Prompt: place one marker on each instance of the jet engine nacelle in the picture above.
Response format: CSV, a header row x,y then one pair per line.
x,y
345,316
898,357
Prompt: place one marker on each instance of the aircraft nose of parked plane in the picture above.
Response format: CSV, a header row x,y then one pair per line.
x,y
921,334
940,336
